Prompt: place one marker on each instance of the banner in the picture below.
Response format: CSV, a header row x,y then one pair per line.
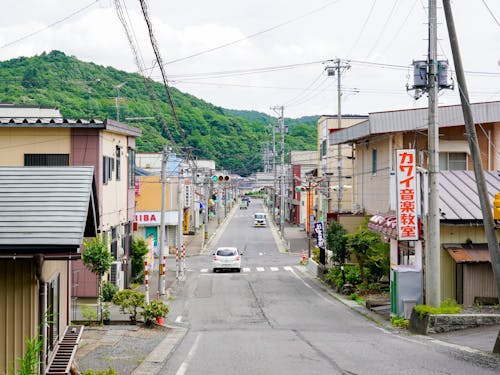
x,y
406,191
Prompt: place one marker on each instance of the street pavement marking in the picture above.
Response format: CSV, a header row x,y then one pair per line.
x,y
205,271
184,366
178,319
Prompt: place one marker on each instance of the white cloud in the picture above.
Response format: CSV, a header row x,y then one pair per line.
x,y
185,28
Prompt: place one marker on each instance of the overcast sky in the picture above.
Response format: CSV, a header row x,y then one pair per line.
x,y
279,48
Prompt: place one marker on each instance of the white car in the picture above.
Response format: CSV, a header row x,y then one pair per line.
x,y
226,258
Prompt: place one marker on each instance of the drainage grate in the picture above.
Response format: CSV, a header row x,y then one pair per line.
x,y
65,351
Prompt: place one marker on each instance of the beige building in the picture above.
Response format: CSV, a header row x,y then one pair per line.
x,y
335,167
465,266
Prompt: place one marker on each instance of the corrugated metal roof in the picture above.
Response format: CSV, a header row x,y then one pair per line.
x,y
458,197
415,119
44,206
465,253
15,110
60,122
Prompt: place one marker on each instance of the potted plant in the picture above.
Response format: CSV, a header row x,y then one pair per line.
x,y
106,314
154,311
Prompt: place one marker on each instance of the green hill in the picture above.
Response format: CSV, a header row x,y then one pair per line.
x,y
85,90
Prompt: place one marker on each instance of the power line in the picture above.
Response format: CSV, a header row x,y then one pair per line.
x,y
51,25
383,28
363,27
491,13
164,77
254,34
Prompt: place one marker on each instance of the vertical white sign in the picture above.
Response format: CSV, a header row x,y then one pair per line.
x,y
406,188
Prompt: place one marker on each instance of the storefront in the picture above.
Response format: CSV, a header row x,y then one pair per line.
x,y
148,227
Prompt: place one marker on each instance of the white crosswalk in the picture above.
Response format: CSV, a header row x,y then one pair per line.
x,y
259,269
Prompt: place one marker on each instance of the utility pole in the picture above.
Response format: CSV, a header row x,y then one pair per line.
x,y
206,193
433,235
280,111
340,67
489,227
179,220
196,217
162,255
275,188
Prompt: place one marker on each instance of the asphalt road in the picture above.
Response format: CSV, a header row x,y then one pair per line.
x,y
273,318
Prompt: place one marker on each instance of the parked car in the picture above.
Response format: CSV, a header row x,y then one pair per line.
x,y
226,258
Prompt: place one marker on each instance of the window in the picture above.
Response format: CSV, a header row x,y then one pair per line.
x,y
53,312
323,148
108,169
452,161
46,160
114,243
374,161
118,164
406,253
131,168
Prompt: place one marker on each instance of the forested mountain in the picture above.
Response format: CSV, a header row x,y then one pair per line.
x,y
234,139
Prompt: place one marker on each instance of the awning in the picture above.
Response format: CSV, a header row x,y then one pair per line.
x,y
384,224
468,253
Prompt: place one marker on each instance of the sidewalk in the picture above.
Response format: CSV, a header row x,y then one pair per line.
x,y
480,340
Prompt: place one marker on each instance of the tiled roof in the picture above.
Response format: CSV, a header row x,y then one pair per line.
x,y
44,207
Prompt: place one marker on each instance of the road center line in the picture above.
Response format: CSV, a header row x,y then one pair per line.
x,y
184,366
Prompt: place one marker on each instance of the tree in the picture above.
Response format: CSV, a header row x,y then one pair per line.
x,y
336,239
97,259
139,250
360,243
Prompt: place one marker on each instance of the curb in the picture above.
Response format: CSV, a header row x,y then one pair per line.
x,y
156,359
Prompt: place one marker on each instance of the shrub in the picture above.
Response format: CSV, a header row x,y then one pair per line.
x,y
129,301
109,371
352,275
88,314
400,322
372,288
354,297
108,291
448,306
154,309
315,254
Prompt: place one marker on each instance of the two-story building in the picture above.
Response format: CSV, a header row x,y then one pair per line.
x,y
335,168
108,146
465,265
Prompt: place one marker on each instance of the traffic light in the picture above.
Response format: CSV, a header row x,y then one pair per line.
x,y
220,178
496,207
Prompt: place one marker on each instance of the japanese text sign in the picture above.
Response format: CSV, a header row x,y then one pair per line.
x,y
320,236
406,195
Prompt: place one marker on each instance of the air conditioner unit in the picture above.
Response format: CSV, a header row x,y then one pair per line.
x,y
116,275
